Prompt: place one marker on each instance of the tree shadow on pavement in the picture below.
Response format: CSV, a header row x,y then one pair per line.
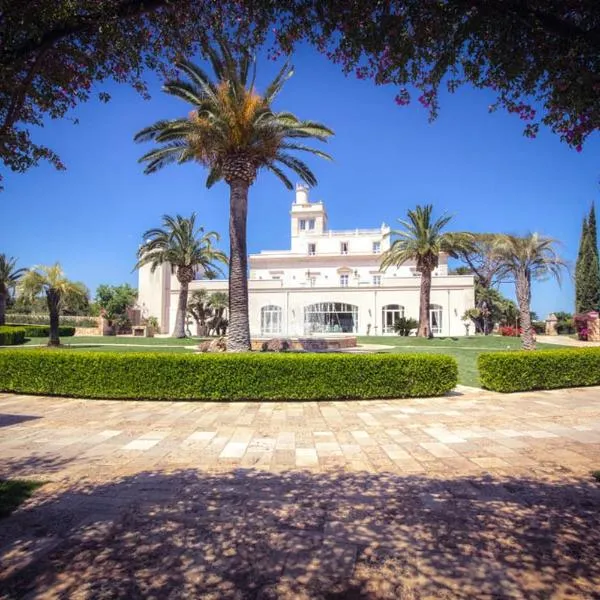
x,y
252,534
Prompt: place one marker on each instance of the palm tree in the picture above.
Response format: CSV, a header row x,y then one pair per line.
x,y
9,277
234,132
422,240
218,301
51,281
525,259
200,310
185,247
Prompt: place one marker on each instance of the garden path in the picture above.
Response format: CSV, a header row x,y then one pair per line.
x,y
471,495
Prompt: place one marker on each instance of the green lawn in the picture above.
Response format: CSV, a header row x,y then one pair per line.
x,y
464,349
14,492
119,344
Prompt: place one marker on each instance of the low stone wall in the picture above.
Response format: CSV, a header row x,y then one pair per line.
x,y
311,344
86,331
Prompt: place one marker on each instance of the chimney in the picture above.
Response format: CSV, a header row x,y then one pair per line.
x,y
301,194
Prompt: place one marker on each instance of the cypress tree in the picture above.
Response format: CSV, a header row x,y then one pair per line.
x,y
594,285
587,270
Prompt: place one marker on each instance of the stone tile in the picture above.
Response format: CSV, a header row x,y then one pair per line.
x,y
306,457
491,462
444,436
141,444
439,450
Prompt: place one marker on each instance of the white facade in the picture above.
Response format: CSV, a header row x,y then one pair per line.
x,y
328,282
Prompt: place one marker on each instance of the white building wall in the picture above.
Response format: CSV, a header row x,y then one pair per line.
x,y
293,279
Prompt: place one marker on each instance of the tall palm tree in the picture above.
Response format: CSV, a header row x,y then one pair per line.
x,y
187,249
234,132
525,259
51,281
9,277
422,239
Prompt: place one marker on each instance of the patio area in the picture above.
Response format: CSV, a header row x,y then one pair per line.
x,y
471,495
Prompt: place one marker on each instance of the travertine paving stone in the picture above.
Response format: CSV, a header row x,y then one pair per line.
x,y
474,495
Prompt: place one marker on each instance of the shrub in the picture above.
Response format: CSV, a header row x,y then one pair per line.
x,y
40,331
252,376
11,336
566,327
510,331
539,370
44,319
403,325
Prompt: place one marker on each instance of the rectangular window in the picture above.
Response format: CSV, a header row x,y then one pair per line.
x,y
344,280
376,247
312,249
302,224
376,279
311,224
344,247
312,281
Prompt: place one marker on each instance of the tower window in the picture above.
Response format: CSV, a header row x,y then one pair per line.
x,y
344,248
376,247
312,249
302,224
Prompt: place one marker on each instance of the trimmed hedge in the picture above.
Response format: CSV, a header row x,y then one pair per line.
x,y
33,331
539,370
11,336
44,319
249,376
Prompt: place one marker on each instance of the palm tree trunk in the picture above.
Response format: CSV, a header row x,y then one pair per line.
x,y
523,291
238,333
425,296
53,300
2,308
179,329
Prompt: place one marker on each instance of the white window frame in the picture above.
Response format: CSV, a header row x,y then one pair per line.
x,y
377,280
302,224
343,247
344,280
312,249
395,311
376,247
438,310
311,224
270,319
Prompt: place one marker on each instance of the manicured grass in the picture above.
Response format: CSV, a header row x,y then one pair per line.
x,y
464,349
118,344
14,492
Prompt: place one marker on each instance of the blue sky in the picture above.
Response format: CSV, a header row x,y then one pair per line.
x,y
475,165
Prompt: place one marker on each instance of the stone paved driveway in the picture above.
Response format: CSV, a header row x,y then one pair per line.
x,y
474,495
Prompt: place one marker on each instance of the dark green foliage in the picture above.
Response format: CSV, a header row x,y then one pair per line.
x,y
539,327
403,325
587,269
43,331
258,376
11,336
14,492
541,370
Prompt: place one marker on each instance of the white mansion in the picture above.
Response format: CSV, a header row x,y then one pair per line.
x,y
328,282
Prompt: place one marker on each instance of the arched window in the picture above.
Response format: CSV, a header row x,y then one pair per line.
x,y
270,319
389,315
331,317
435,318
